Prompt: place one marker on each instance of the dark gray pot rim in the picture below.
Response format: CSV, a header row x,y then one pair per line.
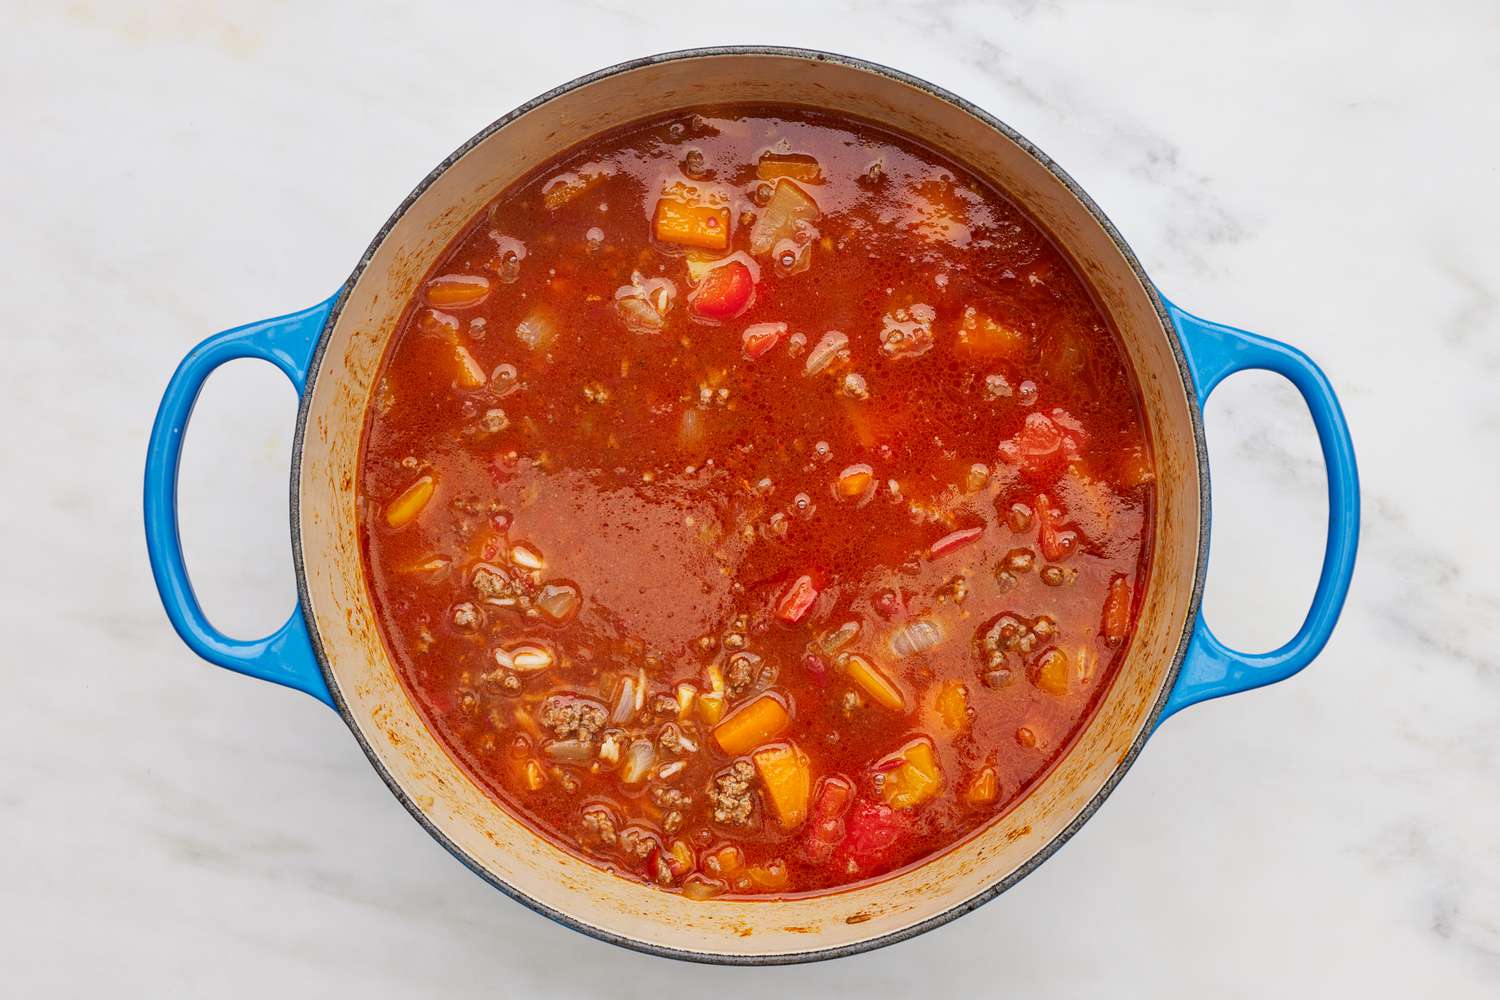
x,y
811,954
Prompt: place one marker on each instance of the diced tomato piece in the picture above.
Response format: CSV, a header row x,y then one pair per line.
x,y
953,541
758,340
799,597
724,292
1043,442
873,829
834,795
826,820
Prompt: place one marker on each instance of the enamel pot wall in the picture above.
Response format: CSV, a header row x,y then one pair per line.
x,y
331,648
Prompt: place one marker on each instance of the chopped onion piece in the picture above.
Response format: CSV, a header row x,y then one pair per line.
x,y
470,372
826,350
624,708
789,210
609,747
569,751
835,640
916,636
639,760
525,658
759,338
558,602
526,557
644,303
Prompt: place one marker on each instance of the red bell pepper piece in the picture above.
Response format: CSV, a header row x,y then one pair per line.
x,y
760,338
953,541
799,597
724,292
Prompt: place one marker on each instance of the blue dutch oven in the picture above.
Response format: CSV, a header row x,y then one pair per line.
x,y
330,646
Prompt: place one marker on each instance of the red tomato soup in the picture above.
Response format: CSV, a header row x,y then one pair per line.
x,y
755,502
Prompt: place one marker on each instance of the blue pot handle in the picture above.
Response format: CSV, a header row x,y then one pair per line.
x,y
286,655
1211,669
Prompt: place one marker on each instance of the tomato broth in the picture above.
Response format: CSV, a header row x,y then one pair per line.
x,y
754,501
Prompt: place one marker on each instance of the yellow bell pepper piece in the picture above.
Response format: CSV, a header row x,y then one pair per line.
x,y
917,779
752,724
984,789
411,501
769,877
787,776
1051,672
953,706
457,291
705,226
797,166
874,682
980,334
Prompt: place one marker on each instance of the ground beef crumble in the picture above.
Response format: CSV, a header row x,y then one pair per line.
x,y
465,616
674,741
572,718
599,826
667,797
745,672
498,587
739,674
636,842
733,795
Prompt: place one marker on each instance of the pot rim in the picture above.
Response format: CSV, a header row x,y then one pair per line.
x,y
958,909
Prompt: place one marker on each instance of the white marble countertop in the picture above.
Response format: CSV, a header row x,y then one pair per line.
x,y
1321,172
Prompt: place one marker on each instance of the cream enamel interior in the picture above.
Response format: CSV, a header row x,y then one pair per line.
x,y
362,674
